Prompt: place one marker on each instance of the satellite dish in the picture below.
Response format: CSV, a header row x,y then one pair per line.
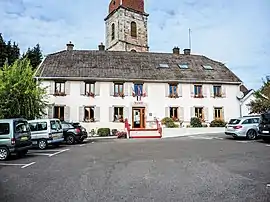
x,y
240,95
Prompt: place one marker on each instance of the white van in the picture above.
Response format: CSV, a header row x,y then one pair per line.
x,y
46,132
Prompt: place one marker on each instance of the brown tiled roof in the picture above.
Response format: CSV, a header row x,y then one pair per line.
x,y
121,65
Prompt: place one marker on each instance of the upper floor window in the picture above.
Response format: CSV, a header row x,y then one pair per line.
x,y
90,89
113,31
133,29
173,91
59,88
138,90
217,91
198,91
119,89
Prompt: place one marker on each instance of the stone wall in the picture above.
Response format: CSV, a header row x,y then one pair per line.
x,y
123,40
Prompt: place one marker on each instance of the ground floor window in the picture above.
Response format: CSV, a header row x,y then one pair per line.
x,y
218,113
118,114
174,113
89,114
59,112
199,112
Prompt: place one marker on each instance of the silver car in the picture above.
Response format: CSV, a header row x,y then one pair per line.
x,y
243,127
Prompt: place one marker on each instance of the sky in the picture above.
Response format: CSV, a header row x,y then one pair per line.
x,y
234,32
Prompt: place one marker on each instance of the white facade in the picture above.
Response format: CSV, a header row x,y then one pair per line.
x,y
245,109
156,102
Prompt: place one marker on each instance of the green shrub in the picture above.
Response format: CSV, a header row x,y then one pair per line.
x,y
218,123
169,122
195,122
103,132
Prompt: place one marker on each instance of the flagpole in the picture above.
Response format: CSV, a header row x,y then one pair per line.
x,y
189,38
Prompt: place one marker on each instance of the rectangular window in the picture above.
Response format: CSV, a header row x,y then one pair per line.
x,y
174,113
198,91
59,112
90,89
89,114
199,112
173,90
21,126
118,114
4,128
119,89
59,88
218,113
38,126
55,125
138,89
217,91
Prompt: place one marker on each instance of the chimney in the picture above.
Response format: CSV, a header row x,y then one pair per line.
x,y
101,47
70,46
176,51
187,51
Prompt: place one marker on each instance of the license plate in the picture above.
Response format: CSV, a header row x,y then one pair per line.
x,y
24,138
265,131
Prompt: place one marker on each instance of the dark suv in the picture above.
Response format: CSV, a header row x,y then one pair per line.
x,y
264,126
74,133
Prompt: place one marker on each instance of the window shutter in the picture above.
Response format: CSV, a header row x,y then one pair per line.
x,y
213,113
82,88
111,114
191,90
50,112
167,90
97,89
212,91
97,113
126,114
223,114
192,112
223,91
145,88
204,88
111,89
67,113
52,88
167,112
126,89
206,114
67,87
81,113
180,90
181,113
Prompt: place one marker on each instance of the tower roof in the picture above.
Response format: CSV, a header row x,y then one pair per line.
x,y
136,5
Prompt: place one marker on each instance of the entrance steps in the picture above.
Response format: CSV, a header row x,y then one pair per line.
x,y
144,133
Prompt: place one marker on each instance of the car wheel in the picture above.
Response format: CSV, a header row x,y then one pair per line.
x,y
4,153
42,144
70,139
251,134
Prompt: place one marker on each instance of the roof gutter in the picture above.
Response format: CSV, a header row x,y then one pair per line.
x,y
39,67
134,80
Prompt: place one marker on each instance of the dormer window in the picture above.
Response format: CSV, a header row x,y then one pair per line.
x,y
207,67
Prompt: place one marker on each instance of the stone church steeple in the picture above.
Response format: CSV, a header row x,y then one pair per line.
x,y
126,26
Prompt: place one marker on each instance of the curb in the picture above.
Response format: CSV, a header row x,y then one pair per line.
x,y
192,134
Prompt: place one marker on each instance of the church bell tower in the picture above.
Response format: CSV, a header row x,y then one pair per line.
x,y
126,26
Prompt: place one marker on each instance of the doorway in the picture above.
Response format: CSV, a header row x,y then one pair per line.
x,y
138,117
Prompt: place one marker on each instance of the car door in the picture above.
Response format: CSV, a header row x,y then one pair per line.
x,y
22,133
255,124
56,129
247,124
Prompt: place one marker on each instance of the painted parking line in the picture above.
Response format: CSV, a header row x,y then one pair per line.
x,y
38,154
61,151
17,164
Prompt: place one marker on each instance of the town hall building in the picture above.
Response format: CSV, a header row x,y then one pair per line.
x,y
122,79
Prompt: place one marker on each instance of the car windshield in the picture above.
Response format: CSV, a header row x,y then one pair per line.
x,y
265,118
234,121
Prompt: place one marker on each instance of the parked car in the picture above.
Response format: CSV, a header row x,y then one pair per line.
x,y
73,134
15,137
264,126
78,125
46,132
243,127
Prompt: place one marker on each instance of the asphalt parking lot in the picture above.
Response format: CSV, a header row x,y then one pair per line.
x,y
196,168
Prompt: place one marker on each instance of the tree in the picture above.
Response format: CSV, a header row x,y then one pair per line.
x,y
261,103
3,54
20,94
34,55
